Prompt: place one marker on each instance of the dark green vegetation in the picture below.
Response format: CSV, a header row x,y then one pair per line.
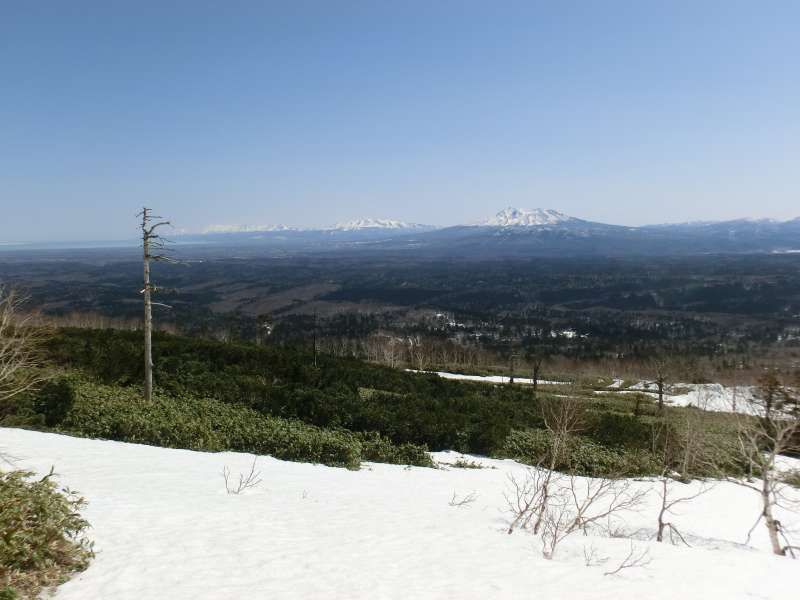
x,y
41,535
725,310
184,421
274,400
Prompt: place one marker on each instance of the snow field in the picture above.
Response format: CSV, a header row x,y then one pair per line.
x,y
164,527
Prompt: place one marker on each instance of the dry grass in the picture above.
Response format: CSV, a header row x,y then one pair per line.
x,y
42,538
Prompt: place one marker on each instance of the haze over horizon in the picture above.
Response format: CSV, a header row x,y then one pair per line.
x,y
307,115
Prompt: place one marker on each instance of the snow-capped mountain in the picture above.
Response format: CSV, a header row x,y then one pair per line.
x,y
370,223
355,225
523,217
517,232
246,228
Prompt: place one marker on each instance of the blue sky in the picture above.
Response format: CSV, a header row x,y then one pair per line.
x,y
309,113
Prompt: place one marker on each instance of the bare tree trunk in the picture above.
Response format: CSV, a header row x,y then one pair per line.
x,y
543,503
662,512
773,526
769,429
150,240
148,324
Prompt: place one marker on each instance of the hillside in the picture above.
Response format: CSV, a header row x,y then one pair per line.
x,y
164,527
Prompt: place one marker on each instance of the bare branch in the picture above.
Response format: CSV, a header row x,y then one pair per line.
x,y
591,558
250,480
20,344
465,501
634,559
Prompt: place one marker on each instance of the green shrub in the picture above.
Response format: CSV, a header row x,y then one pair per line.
x,y
76,406
41,535
54,400
581,457
376,448
282,382
411,411
119,413
619,430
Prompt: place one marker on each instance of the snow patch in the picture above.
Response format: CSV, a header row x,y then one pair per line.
x,y
164,527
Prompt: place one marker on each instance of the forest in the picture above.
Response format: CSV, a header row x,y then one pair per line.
x,y
729,316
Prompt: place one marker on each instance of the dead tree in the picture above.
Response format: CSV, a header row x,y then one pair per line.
x,y
563,418
668,503
563,505
681,451
530,495
595,500
661,369
771,428
153,249
536,360
512,363
19,346
420,352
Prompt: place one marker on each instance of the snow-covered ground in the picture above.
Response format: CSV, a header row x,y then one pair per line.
x,y
488,378
708,396
712,396
164,527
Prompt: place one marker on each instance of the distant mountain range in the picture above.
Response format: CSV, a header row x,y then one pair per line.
x,y
521,232
355,225
512,232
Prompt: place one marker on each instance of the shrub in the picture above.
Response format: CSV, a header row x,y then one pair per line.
x,y
184,421
619,430
41,535
582,457
118,413
463,463
54,400
281,381
376,448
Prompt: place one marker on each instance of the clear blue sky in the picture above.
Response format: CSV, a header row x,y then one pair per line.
x,y
308,113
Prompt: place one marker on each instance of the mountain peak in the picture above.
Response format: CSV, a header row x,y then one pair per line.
x,y
376,224
245,228
524,217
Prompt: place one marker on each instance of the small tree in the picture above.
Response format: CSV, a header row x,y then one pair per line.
x,y
681,450
512,364
771,428
661,368
420,352
536,360
563,418
19,347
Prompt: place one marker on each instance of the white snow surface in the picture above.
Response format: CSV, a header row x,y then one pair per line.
x,y
164,527
523,217
488,378
708,396
370,223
